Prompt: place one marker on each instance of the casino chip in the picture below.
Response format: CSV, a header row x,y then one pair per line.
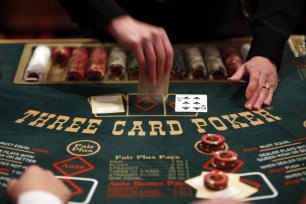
x,y
116,63
231,58
60,56
97,62
216,181
212,143
179,69
38,64
132,68
77,64
213,60
244,50
225,159
195,62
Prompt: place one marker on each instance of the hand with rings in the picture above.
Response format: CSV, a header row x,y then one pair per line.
x,y
263,81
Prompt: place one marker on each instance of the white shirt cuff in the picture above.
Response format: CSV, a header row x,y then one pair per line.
x,y
38,197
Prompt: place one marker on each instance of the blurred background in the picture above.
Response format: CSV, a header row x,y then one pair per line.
x,y
25,19
42,19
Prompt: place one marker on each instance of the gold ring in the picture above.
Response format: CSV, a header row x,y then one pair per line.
x,y
266,86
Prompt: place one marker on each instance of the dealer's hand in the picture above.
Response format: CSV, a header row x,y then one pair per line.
x,y
262,81
149,43
36,178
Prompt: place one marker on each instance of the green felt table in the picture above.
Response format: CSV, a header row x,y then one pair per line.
x,y
144,156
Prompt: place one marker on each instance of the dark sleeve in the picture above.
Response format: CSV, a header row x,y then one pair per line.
x,y
92,14
102,12
274,21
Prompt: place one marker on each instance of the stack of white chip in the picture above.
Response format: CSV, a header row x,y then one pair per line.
x,y
244,51
38,64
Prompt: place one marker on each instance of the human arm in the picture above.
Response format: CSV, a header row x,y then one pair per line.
x,y
92,15
36,181
149,43
273,23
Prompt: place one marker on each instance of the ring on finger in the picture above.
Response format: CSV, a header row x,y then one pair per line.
x,y
266,86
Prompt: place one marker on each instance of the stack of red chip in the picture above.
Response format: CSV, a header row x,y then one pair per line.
x,y
60,56
225,159
232,59
212,143
97,61
216,181
77,64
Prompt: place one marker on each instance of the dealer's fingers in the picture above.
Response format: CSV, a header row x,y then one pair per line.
x,y
140,58
262,94
10,184
160,59
265,84
261,98
238,75
272,90
252,90
10,189
150,62
268,99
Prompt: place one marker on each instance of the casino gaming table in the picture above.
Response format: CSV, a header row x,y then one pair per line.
x,y
144,155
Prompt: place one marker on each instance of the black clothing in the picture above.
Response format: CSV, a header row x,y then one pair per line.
x,y
187,21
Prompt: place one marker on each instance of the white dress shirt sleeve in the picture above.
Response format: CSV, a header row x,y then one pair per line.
x,y
38,197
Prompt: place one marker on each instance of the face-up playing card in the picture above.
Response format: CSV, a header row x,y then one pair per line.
x,y
190,103
196,182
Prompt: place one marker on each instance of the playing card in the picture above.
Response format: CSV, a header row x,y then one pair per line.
x,y
243,189
195,182
190,103
106,104
227,193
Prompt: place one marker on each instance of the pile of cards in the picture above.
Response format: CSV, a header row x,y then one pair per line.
x,y
235,190
106,104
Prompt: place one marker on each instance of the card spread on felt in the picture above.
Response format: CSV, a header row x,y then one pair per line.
x,y
106,104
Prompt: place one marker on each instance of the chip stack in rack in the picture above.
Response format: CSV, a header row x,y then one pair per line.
x,y
195,62
214,63
178,71
231,58
60,56
38,64
77,64
116,64
132,68
244,50
97,63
